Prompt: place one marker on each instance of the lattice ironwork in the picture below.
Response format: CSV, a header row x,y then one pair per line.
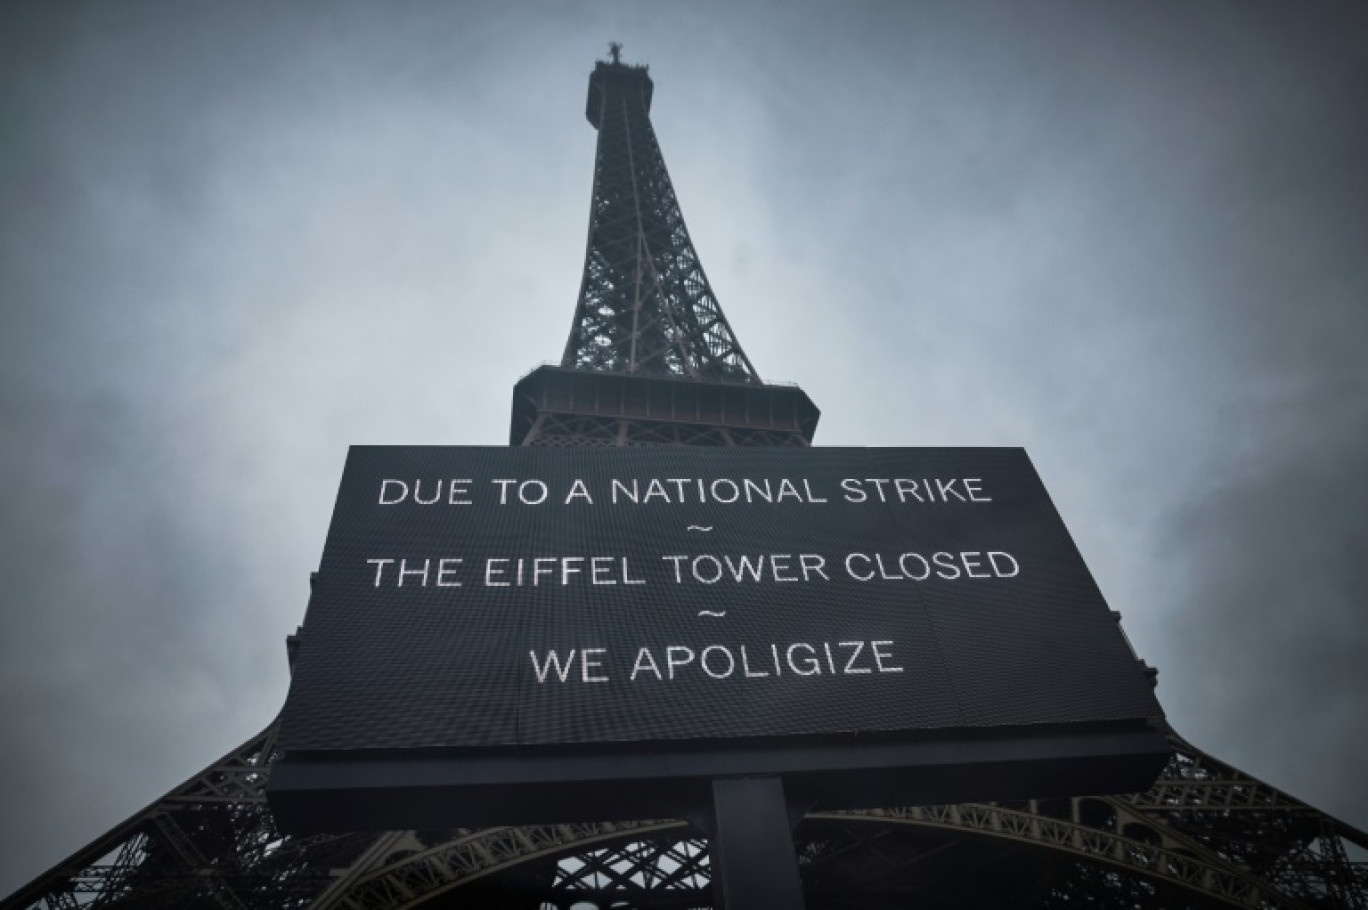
x,y
645,305
646,315
209,843
1205,835
558,407
577,430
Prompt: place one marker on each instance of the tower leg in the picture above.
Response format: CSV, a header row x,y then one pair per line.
x,y
753,858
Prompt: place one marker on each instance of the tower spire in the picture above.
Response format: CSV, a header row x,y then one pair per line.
x,y
645,305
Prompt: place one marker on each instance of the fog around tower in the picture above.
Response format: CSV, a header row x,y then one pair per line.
x,y
236,239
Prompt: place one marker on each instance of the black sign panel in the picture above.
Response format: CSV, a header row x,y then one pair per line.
x,y
505,597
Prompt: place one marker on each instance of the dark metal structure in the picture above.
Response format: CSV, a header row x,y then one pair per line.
x,y
651,360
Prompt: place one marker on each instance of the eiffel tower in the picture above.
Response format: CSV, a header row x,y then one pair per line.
x,y
651,360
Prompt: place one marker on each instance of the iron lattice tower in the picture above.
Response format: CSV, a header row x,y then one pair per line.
x,y
652,360
645,305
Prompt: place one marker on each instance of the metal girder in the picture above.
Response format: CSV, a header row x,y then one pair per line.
x,y
581,430
467,857
1204,830
1176,862
554,406
210,843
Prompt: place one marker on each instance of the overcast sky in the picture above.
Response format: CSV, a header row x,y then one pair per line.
x,y
237,238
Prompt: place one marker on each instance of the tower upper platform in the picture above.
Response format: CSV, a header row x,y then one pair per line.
x,y
620,80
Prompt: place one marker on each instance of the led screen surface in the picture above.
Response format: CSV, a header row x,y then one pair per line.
x,y
515,597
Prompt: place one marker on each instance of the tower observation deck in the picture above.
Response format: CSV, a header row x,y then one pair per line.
x,y
651,360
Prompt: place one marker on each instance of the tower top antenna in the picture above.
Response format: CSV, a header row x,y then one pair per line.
x,y
615,51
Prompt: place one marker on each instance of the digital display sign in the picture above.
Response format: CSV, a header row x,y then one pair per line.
x,y
514,602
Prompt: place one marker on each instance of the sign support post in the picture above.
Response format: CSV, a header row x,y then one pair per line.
x,y
753,858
